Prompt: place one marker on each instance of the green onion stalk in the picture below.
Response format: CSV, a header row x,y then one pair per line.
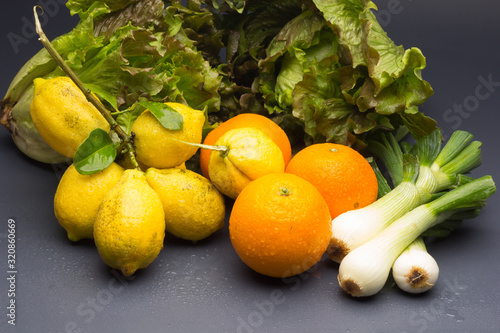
x,y
364,271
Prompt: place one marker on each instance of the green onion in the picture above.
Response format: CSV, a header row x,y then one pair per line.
x,y
416,181
415,270
364,271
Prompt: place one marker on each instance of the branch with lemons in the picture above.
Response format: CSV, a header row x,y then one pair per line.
x,y
126,185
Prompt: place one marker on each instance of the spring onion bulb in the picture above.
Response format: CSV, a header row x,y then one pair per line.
x,y
364,271
415,270
415,182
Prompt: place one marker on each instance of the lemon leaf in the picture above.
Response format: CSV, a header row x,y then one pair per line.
x,y
103,94
126,118
95,154
166,115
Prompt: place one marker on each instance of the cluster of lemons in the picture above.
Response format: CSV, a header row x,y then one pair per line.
x,y
124,209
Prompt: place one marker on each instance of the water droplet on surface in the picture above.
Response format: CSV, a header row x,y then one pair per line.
x,y
454,314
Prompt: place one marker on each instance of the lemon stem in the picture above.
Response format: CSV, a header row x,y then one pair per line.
x,y
222,149
91,98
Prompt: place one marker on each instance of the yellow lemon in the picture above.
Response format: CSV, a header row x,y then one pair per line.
x,y
62,115
78,198
124,161
249,154
161,148
194,209
129,228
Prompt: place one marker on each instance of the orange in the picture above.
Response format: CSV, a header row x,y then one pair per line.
x,y
246,120
280,225
341,174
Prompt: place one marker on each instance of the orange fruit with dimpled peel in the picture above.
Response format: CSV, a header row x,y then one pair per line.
x,y
341,174
280,225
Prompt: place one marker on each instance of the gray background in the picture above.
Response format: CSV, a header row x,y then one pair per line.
x,y
65,287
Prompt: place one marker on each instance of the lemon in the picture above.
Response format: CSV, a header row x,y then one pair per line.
x,y
129,228
125,162
250,154
78,198
194,209
161,148
62,115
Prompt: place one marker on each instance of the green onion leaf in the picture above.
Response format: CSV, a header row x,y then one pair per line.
x,y
443,229
457,142
464,196
389,152
96,153
411,168
428,147
467,160
383,186
462,180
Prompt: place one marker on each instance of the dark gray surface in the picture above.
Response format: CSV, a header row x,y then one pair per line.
x,y
65,287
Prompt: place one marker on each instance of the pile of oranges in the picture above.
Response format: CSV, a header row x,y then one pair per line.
x,y
280,223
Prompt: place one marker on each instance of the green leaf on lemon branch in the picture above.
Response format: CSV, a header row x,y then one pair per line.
x,y
126,118
166,115
103,94
96,153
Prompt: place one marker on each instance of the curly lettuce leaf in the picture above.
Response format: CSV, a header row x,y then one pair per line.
x,y
319,103
145,13
394,83
301,42
344,18
143,50
295,65
82,7
365,41
87,8
199,25
249,35
229,5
